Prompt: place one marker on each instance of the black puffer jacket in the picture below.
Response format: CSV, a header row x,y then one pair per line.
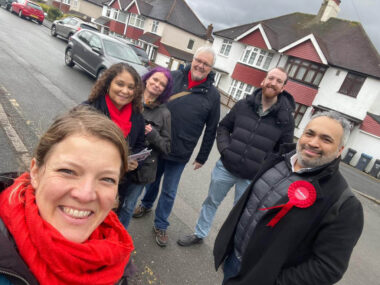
x,y
308,245
244,139
190,114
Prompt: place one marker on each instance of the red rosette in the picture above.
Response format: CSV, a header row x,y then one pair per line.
x,y
301,194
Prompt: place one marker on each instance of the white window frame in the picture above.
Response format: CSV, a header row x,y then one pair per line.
x,y
67,2
226,47
136,21
257,57
239,90
155,26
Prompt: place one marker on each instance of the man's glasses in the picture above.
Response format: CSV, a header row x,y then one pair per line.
x,y
198,61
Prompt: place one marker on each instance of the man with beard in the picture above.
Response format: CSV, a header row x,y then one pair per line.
x,y
256,126
298,221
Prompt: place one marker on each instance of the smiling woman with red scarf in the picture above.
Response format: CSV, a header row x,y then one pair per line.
x,y
56,223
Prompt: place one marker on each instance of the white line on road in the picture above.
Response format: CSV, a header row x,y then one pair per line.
x,y
13,137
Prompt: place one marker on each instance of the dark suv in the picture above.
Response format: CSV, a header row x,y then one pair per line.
x,y
95,52
68,26
7,4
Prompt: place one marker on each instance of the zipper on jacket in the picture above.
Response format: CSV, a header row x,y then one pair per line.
x,y
14,275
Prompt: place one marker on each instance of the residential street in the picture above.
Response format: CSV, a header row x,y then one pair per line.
x,y
35,86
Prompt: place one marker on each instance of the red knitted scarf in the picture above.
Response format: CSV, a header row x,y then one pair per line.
x,y
122,117
55,260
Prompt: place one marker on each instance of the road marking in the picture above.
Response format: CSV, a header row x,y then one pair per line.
x,y
54,90
14,138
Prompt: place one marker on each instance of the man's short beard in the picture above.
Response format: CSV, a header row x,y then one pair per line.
x,y
314,162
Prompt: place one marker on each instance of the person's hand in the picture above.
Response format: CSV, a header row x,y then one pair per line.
x,y
148,128
197,165
132,165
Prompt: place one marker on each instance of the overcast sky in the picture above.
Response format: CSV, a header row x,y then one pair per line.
x,y
228,13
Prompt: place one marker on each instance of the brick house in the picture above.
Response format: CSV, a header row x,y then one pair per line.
x,y
168,30
331,62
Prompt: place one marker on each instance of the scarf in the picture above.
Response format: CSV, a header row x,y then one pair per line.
x,y
122,117
194,83
55,260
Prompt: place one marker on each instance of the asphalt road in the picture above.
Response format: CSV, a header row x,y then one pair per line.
x,y
35,86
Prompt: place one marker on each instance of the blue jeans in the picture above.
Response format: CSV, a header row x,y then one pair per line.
x,y
172,171
221,182
231,267
128,205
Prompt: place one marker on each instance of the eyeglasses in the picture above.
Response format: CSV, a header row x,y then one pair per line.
x,y
198,61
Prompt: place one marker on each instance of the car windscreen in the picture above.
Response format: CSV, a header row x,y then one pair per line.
x,y
34,6
120,51
141,53
88,27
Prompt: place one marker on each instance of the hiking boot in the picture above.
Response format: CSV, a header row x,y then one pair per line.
x,y
161,237
140,211
189,240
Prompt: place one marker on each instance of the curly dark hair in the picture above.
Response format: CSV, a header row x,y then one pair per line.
x,y
103,83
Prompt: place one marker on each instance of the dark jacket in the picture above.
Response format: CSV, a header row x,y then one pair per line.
x,y
12,266
308,246
244,139
158,140
136,136
190,114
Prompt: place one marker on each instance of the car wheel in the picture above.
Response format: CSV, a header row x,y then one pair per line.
x,y
20,14
100,73
53,31
39,22
69,57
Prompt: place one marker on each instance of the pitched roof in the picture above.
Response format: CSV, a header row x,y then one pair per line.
x,y
179,54
344,43
174,12
97,2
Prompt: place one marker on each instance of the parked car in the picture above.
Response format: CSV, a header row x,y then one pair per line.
x,y
143,56
68,26
7,4
29,10
95,52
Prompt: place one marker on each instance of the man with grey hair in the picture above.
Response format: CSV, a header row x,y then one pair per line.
x,y
194,105
298,222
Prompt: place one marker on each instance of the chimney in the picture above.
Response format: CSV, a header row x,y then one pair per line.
x,y
329,8
209,31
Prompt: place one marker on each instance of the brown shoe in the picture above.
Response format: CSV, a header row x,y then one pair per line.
x,y
140,211
161,237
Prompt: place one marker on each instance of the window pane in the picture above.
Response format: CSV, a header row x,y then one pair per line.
x,y
317,79
245,58
309,76
268,61
297,120
228,48
252,58
301,72
293,71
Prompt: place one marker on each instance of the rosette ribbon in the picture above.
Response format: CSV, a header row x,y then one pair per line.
x,y
301,194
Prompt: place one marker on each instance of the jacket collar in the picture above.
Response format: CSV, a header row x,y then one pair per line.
x,y
281,109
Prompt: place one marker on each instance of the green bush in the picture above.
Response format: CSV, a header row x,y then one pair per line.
x,y
54,14
44,7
